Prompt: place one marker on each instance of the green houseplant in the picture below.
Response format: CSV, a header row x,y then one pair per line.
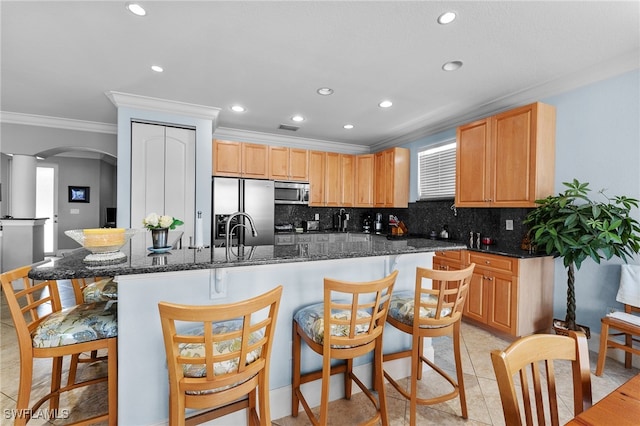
x,y
572,226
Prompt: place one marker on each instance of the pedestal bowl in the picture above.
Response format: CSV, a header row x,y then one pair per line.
x,y
103,243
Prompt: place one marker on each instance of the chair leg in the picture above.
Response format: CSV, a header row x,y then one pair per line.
x,y
420,355
56,382
112,380
73,369
602,355
324,393
24,391
379,382
347,379
295,374
628,341
416,368
252,407
460,373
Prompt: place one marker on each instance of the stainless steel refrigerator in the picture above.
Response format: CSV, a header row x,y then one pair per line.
x,y
251,196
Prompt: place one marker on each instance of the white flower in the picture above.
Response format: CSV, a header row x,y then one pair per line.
x,y
152,220
165,221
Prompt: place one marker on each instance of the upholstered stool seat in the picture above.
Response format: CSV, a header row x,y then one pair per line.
x,y
46,330
348,324
101,290
439,298
78,324
218,358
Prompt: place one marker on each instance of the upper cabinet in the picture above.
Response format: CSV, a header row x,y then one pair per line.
x,y
364,180
288,164
391,185
317,164
506,160
240,159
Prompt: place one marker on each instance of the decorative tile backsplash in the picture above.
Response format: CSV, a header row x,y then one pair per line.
x,y
421,218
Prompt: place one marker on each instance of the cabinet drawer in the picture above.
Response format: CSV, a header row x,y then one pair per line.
x,y
496,263
450,254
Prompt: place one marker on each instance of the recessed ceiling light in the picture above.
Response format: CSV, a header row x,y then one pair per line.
x,y
157,68
446,18
348,126
452,66
385,104
238,108
136,9
325,91
297,118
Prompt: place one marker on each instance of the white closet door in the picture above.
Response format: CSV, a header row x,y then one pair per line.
x,y
162,176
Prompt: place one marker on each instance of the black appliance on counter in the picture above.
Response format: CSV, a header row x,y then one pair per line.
x,y
366,224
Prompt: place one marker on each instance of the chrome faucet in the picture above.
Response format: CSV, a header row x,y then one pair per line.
x,y
229,230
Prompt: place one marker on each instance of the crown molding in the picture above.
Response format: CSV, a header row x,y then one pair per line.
x,y
290,141
56,122
128,100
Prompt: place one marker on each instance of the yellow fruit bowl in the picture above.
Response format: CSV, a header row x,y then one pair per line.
x,y
103,243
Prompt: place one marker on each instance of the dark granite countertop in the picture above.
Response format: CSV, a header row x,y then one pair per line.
x,y
72,265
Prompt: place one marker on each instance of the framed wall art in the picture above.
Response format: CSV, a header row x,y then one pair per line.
x,y
79,194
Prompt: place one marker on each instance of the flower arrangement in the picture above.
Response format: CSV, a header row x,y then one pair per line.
x,y
155,221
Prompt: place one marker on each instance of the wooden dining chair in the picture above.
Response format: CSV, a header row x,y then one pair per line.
x,y
439,297
91,290
45,330
524,357
218,356
349,323
626,323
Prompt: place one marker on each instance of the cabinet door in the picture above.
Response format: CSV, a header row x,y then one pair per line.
x,y
513,165
476,305
348,184
227,158
162,175
255,161
502,303
278,163
299,164
473,186
364,180
316,178
332,178
382,175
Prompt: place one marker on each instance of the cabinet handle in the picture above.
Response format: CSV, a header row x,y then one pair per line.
x,y
487,262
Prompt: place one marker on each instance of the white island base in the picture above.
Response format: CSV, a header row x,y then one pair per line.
x,y
142,371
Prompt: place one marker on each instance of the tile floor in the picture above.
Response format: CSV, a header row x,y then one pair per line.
x,y
482,393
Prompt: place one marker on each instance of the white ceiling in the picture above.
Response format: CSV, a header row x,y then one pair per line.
x,y
59,58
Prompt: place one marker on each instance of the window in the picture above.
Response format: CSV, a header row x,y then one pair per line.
x,y
437,172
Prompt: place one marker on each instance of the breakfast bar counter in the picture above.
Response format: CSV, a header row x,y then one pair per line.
x,y
206,276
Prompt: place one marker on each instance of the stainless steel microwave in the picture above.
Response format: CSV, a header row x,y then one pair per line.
x,y
291,192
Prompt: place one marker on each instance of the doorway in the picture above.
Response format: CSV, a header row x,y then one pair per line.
x,y
47,204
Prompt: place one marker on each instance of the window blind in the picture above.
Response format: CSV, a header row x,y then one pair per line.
x,y
437,172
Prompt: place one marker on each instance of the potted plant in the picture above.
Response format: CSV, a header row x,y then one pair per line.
x,y
159,227
572,226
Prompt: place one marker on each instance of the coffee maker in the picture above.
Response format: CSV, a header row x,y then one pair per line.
x,y
366,224
377,225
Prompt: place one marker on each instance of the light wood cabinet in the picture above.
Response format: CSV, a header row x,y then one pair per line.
x,y
506,160
332,180
348,181
317,162
391,187
240,159
510,295
289,164
364,180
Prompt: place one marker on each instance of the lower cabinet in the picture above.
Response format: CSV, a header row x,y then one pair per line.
x,y
507,294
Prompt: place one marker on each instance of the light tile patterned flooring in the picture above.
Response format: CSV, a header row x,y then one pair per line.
x,y
482,392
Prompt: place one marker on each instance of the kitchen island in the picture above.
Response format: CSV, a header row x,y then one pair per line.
x,y
207,276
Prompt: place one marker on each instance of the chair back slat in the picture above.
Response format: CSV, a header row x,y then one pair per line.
x,y
523,359
443,293
358,310
210,348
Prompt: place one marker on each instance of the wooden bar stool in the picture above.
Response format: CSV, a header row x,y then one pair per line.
x,y
352,317
45,330
439,298
218,355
